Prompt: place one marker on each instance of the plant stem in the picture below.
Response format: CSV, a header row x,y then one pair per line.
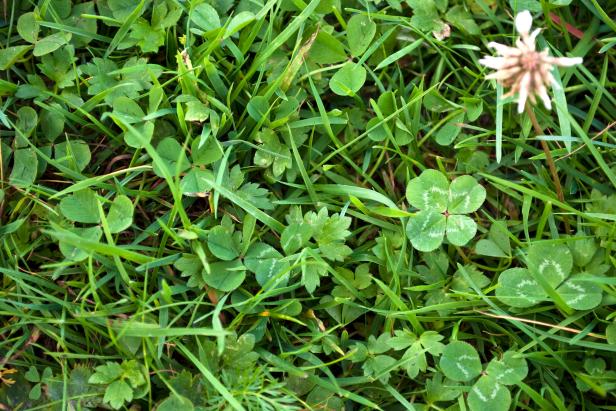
x,y
550,160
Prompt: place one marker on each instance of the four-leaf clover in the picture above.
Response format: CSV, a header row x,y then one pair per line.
x,y
441,209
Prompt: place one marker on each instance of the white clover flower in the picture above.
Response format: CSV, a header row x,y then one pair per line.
x,y
522,68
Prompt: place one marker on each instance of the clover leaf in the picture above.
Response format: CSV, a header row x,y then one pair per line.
x,y
488,394
460,361
552,263
441,209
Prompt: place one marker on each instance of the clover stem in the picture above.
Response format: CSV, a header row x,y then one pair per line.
x,y
549,159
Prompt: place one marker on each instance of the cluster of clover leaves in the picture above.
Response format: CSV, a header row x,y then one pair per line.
x,y
460,362
442,208
549,277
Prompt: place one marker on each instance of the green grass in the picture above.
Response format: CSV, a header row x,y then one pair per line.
x,y
217,204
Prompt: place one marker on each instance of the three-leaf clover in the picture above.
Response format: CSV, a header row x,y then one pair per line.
x,y
549,266
441,209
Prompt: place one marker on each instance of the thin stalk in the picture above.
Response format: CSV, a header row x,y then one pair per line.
x,y
550,160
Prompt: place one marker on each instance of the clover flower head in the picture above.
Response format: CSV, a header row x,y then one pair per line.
x,y
522,68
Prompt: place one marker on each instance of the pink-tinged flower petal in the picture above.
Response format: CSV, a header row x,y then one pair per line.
x,y
543,94
503,74
523,93
564,61
533,37
504,50
523,22
493,62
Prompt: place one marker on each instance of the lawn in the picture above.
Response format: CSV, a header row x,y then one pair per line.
x,y
308,205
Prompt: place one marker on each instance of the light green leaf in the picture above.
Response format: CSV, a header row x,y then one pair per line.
x,y
266,262
172,153
28,27
326,49
51,43
206,150
466,195
460,229
226,275
552,261
120,215
10,55
508,370
360,32
221,244
74,253
488,394
497,244
175,403
428,191
25,163
426,230
348,80
462,20
238,22
295,237
196,111
117,393
81,207
205,17
580,294
460,361
195,183
517,288
450,130
73,154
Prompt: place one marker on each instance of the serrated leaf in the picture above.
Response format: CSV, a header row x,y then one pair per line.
x,y
106,373
460,361
580,294
508,370
117,393
517,288
465,195
360,32
460,229
487,394
426,230
348,80
120,215
81,207
430,190
552,261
